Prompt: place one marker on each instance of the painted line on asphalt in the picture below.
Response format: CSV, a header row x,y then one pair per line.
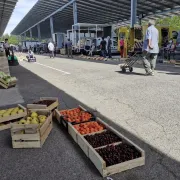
x,y
52,68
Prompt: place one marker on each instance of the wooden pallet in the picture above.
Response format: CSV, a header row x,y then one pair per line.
x,y
40,106
12,117
97,160
34,136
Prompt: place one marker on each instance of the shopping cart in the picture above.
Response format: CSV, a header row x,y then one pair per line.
x,y
134,56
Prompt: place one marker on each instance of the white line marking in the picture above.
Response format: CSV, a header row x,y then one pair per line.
x,y
53,68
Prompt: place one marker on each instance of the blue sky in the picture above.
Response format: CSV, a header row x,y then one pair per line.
x,y
21,9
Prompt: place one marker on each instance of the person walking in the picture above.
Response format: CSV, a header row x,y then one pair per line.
x,y
109,46
69,48
103,47
150,48
7,48
51,49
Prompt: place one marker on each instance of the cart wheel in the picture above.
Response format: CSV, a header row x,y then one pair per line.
x,y
130,69
124,70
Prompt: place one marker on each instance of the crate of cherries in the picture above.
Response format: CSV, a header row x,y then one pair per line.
x,y
116,154
102,139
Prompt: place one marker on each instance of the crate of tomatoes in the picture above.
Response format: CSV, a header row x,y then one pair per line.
x,y
74,116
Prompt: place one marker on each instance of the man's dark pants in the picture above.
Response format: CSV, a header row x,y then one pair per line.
x,y
109,53
103,53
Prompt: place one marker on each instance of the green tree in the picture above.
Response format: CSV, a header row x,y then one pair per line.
x,y
173,21
11,38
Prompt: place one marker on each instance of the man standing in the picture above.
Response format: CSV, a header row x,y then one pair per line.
x,y
69,48
7,48
150,48
103,47
51,49
109,46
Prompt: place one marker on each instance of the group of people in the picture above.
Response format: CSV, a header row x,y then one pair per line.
x,y
68,47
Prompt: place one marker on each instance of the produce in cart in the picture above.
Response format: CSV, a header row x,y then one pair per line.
x,y
102,139
89,127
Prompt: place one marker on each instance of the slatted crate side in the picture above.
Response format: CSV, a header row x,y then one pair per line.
x,y
123,166
53,105
26,144
4,85
97,160
72,131
84,145
17,116
24,140
4,127
58,115
46,133
46,124
36,106
40,106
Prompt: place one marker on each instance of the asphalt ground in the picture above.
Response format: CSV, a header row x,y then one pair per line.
x,y
145,109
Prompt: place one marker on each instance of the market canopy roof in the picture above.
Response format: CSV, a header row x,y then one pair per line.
x,y
91,11
6,9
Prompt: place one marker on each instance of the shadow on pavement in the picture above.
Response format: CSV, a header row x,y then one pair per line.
x,y
173,73
60,157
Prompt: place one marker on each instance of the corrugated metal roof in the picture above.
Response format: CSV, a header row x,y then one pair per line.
x,y
93,11
6,9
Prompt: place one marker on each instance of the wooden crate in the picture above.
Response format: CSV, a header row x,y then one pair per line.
x,y
97,159
12,117
34,136
7,85
65,123
4,127
40,106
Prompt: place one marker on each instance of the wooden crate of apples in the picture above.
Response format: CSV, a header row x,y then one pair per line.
x,y
32,130
11,115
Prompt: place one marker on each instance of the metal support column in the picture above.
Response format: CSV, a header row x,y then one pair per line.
x,y
39,32
96,31
51,27
30,34
75,12
133,12
25,36
79,38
